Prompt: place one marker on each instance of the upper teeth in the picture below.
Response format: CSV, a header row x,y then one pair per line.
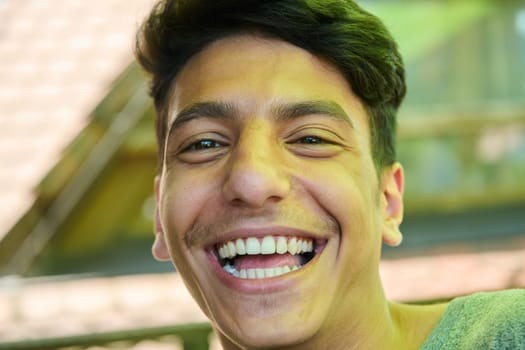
x,y
268,245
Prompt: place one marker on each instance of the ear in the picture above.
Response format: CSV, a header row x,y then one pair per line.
x,y
392,182
160,248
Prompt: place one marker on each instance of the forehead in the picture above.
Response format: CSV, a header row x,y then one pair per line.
x,y
252,71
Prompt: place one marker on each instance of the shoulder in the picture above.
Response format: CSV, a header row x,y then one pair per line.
x,y
505,306
495,299
494,320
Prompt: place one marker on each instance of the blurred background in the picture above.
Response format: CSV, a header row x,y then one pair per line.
x,y
78,157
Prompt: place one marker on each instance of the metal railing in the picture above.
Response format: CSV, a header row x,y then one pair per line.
x,y
194,336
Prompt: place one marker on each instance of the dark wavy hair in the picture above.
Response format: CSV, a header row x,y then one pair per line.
x,y
338,31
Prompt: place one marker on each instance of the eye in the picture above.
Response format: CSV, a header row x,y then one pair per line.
x,y
202,145
201,150
311,140
314,143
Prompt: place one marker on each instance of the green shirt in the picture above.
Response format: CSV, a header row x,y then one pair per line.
x,y
482,321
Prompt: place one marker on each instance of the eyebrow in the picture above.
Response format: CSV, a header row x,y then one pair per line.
x,y
212,109
290,111
281,112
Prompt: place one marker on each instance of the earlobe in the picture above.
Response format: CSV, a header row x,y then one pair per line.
x,y
160,248
392,236
392,182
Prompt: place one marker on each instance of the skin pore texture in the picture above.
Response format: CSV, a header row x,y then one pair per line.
x,y
268,140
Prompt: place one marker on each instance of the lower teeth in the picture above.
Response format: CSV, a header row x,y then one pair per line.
x,y
259,273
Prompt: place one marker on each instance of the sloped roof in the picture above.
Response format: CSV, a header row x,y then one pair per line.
x,y
57,61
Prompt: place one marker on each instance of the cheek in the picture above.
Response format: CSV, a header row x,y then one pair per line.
x,y
347,191
184,199
343,187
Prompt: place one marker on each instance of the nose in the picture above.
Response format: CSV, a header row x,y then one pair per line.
x,y
256,173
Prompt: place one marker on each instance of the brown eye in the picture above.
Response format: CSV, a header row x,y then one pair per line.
x,y
315,143
202,145
311,140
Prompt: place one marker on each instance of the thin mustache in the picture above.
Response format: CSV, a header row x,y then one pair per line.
x,y
202,232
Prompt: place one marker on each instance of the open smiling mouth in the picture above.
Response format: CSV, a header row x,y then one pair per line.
x,y
271,256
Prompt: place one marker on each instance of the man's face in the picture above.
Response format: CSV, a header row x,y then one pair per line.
x,y
268,201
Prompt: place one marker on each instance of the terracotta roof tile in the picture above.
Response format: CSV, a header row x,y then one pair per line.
x,y
57,61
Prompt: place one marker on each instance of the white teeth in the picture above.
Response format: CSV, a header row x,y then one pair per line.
x,y
259,273
232,270
277,271
253,247
222,252
299,246
281,246
231,249
268,245
241,248
269,272
304,246
292,246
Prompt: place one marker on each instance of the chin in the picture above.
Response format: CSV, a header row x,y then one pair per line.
x,y
260,335
265,322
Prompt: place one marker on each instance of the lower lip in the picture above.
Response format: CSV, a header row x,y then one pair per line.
x,y
258,286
